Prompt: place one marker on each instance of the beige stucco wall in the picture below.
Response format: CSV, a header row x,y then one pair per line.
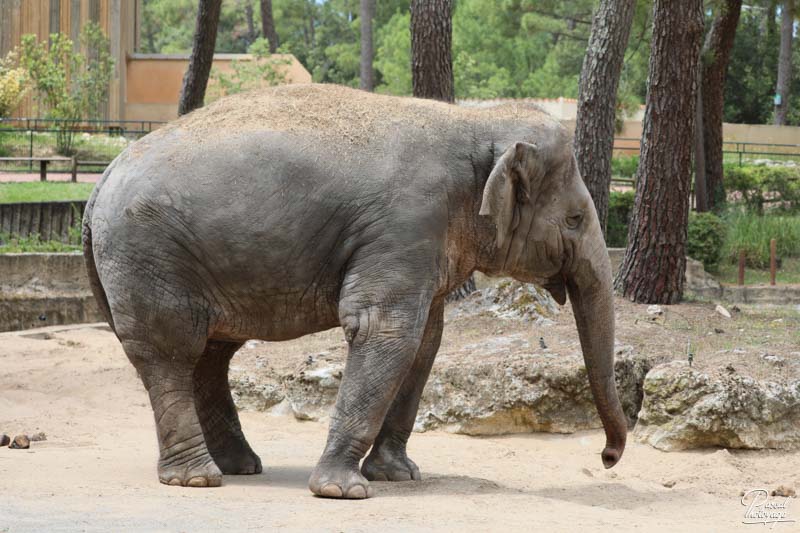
x,y
154,81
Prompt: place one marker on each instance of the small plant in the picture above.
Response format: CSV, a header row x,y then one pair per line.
x,y
620,207
706,237
263,70
14,244
69,85
13,84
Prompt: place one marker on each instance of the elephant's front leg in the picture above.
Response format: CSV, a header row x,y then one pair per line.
x,y
388,460
384,338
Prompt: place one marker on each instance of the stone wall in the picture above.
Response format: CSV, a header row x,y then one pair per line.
x,y
45,290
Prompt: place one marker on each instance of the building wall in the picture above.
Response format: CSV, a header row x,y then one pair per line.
x,y
117,18
159,101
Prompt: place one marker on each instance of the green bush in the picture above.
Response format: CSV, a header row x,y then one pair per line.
x,y
760,186
620,208
706,237
624,166
752,234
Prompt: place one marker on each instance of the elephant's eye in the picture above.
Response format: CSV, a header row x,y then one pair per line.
x,y
573,221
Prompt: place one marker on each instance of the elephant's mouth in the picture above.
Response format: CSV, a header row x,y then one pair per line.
x,y
557,287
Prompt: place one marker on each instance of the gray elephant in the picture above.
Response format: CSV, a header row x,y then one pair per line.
x,y
292,210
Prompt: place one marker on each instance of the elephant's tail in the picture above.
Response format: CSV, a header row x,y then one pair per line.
x,y
88,251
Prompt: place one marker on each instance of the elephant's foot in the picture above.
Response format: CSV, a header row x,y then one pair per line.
x,y
237,459
384,464
198,472
336,481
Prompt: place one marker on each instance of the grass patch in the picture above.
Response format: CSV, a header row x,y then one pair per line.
x,y
44,191
752,233
16,245
88,147
789,272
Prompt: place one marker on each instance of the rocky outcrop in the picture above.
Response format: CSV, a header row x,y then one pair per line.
x,y
492,388
474,395
508,299
684,408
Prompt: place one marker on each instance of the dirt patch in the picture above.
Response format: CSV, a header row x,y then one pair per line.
x,y
96,470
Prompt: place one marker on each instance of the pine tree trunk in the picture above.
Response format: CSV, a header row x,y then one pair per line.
x,y
431,54
251,25
367,51
655,259
205,37
432,69
268,26
714,68
785,62
597,99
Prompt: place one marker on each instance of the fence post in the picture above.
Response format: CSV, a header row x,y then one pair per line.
x,y
773,262
74,169
741,267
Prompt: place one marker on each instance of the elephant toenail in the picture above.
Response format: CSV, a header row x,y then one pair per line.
x,y
175,482
331,491
197,482
357,492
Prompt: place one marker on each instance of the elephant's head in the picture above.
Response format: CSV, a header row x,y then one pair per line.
x,y
547,231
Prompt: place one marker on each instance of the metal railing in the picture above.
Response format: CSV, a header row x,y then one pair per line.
x,y
732,151
30,127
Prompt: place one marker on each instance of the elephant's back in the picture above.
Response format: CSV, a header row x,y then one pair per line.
x,y
346,116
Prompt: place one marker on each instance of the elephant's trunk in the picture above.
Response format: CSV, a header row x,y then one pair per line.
x,y
590,292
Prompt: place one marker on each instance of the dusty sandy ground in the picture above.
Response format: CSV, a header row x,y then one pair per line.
x,y
96,470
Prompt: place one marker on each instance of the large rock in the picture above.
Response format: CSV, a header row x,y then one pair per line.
x,y
495,387
478,394
685,408
507,298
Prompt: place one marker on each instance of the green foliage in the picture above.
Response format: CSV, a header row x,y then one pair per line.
x,y
393,55
501,48
624,166
47,191
753,67
620,209
706,237
13,84
760,186
752,234
69,85
263,70
14,244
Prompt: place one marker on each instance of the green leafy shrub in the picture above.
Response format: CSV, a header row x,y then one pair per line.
x,y
620,208
69,85
706,237
752,234
262,70
624,166
13,84
760,186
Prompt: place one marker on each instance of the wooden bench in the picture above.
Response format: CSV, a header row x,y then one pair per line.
x,y
44,161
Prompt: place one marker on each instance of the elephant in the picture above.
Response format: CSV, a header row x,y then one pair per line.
x,y
295,209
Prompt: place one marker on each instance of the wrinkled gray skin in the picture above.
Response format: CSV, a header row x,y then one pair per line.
x,y
196,242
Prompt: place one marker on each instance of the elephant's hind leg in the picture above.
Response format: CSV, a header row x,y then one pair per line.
x,y
168,376
388,460
217,412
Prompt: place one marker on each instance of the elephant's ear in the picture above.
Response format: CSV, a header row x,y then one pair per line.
x,y
507,183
